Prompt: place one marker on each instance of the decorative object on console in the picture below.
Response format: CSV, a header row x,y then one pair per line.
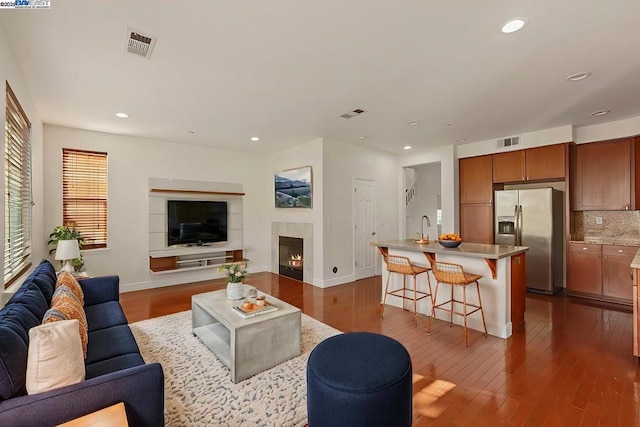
x,y
67,250
235,273
67,232
293,188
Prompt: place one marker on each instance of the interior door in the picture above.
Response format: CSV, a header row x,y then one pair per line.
x,y
364,227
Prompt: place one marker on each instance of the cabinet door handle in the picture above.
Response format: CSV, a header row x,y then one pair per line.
x,y
620,251
584,249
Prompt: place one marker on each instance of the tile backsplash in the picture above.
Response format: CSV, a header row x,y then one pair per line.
x,y
621,227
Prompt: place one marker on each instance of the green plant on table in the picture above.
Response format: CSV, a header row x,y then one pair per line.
x,y
66,232
234,271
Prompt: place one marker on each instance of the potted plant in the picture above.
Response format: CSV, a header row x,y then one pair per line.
x,y
235,273
66,232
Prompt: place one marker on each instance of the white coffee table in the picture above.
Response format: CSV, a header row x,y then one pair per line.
x,y
246,346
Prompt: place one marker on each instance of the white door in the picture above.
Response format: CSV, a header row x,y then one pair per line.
x,y
364,225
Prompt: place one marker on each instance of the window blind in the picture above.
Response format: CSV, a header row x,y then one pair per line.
x,y
17,186
84,195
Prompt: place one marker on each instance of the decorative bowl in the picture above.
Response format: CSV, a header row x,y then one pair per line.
x,y
450,243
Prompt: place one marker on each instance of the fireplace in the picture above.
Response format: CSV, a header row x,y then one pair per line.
x,y
291,258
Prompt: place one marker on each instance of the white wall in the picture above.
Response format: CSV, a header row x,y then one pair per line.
x,y
425,202
448,160
307,154
527,140
132,161
342,163
9,71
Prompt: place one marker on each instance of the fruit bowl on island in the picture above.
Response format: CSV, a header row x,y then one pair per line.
x,y
450,240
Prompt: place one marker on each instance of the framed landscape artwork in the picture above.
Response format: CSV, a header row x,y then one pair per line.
x,y
293,188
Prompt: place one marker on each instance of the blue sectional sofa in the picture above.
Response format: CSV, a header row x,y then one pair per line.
x,y
115,370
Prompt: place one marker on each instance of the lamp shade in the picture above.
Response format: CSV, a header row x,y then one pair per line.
x,y
67,249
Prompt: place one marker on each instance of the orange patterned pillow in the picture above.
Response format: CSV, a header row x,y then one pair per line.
x,y
65,306
67,279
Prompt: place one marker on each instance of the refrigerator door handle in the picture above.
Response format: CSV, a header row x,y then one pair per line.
x,y
519,225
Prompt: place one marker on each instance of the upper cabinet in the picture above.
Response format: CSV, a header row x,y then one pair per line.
x,y
533,164
602,175
476,184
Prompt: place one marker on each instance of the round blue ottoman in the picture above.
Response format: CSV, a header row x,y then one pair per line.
x,y
359,379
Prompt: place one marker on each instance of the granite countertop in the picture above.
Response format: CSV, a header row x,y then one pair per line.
x,y
607,242
636,263
475,250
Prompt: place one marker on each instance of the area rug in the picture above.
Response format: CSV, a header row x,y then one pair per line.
x,y
198,390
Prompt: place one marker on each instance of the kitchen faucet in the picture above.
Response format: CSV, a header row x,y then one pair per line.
x,y
428,225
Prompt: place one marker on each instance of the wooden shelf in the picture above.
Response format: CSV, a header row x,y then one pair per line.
x,y
186,262
220,193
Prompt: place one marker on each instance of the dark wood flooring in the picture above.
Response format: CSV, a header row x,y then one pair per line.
x,y
570,365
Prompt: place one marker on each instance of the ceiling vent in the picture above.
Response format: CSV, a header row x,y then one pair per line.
x,y
139,44
353,113
508,142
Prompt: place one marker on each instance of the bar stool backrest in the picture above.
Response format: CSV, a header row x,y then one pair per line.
x,y
446,272
399,264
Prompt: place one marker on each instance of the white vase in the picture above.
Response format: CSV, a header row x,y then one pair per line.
x,y
235,290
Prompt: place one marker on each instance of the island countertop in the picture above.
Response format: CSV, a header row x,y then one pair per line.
x,y
476,250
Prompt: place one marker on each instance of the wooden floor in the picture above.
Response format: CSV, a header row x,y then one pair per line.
x,y
570,365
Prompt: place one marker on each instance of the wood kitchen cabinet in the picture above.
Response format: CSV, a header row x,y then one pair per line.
x,y
476,183
585,269
617,281
601,272
602,177
533,164
476,222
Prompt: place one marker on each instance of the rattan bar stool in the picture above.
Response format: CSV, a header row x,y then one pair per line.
x,y
454,275
402,265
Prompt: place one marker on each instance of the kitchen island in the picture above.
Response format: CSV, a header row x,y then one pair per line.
x,y
502,286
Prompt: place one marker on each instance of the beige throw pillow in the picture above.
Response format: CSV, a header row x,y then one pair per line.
x,y
55,356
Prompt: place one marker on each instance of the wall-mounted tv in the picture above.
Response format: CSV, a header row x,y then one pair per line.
x,y
196,222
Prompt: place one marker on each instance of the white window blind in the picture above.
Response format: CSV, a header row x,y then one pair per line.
x,y
84,195
17,186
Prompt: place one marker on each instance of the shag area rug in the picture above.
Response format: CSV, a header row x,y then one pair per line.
x,y
198,390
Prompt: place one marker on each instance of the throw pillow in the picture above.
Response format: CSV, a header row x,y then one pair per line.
x,y
67,279
55,356
65,306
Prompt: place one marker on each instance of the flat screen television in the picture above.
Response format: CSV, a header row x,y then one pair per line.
x,y
196,222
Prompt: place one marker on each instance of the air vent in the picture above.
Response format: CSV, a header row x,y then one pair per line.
x,y
508,142
139,44
353,113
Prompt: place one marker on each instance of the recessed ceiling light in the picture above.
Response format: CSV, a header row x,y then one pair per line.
x,y
362,138
414,123
600,113
513,25
122,115
407,147
255,139
578,76
461,140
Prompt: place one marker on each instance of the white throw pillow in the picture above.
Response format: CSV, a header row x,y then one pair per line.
x,y
55,356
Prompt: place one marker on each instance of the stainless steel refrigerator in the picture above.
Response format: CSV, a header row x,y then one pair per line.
x,y
533,218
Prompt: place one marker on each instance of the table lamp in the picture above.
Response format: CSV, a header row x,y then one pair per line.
x,y
66,251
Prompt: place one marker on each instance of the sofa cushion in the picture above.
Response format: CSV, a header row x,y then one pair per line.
x,y
30,296
20,318
66,279
65,306
105,315
55,356
44,276
13,367
110,342
114,364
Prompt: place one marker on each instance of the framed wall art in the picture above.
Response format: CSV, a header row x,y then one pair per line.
x,y
293,188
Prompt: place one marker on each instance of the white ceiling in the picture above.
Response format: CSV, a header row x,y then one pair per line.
x,y
285,70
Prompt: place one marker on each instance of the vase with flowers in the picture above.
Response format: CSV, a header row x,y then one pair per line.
x,y
235,273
